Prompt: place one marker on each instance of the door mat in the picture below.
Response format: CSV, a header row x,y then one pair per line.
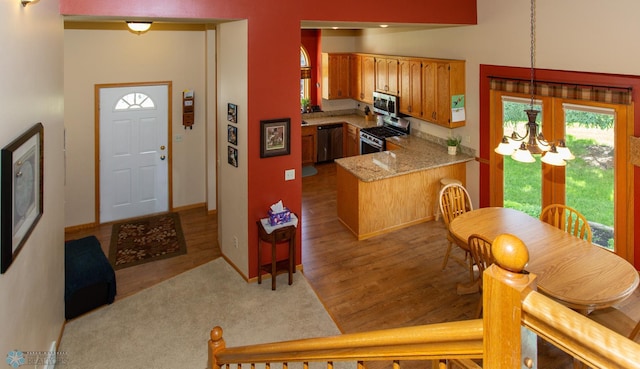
x,y
309,170
140,241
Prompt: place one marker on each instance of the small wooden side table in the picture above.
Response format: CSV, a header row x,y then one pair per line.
x,y
277,235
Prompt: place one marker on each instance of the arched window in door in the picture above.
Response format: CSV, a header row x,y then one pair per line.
x,y
305,75
135,100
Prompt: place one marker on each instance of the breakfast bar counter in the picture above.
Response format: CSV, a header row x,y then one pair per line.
x,y
381,192
415,154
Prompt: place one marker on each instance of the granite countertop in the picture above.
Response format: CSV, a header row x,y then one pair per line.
x,y
315,119
416,154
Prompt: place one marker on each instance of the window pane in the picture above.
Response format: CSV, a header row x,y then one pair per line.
x,y
590,176
135,100
304,83
522,181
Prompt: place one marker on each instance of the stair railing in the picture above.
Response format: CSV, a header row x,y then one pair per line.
x,y
513,310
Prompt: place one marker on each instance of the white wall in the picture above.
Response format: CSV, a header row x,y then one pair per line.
x,y
212,103
118,56
590,35
32,289
232,181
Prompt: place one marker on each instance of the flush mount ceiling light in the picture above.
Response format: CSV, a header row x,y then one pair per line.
x,y
522,148
384,25
138,27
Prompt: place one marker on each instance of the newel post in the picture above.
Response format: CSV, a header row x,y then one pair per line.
x,y
216,344
504,287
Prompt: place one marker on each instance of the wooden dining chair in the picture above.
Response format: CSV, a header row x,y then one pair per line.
x,y
480,249
454,201
567,219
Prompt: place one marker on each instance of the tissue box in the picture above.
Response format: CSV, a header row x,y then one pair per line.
x,y
279,218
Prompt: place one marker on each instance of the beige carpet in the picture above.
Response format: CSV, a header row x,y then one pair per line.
x,y
167,326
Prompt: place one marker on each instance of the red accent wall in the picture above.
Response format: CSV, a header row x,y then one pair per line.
x,y
273,69
560,76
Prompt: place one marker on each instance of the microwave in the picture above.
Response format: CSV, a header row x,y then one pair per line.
x,y
385,104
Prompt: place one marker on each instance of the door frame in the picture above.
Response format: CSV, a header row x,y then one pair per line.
x,y
554,177
97,89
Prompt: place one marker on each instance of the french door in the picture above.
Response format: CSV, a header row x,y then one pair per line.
x,y
595,182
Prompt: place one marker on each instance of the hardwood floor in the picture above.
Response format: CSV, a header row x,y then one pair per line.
x,y
387,281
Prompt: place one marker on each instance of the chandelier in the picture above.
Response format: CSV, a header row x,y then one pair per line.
x,y
522,148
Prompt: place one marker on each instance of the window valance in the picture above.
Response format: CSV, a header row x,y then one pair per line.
x,y
606,94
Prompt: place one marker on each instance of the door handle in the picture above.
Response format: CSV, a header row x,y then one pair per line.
x,y
162,147
162,157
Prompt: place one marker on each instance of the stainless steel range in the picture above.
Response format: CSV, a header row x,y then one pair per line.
x,y
373,139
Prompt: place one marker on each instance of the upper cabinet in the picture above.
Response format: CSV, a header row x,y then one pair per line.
x,y
363,78
428,89
410,86
335,76
387,75
443,89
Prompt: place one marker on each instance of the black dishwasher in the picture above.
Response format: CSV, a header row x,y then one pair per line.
x,y
329,142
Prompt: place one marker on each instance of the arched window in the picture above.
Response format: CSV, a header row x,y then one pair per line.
x,y
305,74
135,100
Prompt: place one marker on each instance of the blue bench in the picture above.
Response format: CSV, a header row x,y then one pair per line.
x,y
90,281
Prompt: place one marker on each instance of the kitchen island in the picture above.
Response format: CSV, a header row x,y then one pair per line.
x,y
381,192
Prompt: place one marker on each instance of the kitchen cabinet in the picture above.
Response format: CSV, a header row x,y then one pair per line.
x,y
352,140
372,208
309,144
387,75
390,146
442,80
410,86
335,76
363,78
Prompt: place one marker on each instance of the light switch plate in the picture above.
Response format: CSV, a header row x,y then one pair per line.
x,y
289,174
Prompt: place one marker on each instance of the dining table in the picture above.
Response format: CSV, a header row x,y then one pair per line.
x,y
570,270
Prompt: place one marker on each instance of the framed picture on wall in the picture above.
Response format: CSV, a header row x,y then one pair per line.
x,y
21,198
232,134
232,154
275,137
232,113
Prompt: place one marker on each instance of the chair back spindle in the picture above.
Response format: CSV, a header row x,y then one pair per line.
x,y
567,219
454,201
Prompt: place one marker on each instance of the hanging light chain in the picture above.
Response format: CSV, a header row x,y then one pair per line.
x,y
532,52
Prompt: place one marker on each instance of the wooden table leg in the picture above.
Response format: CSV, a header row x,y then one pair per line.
x,y
468,288
273,265
259,259
292,247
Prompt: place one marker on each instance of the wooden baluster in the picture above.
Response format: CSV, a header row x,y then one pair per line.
x,y
329,364
396,364
439,364
504,288
216,344
360,365
305,365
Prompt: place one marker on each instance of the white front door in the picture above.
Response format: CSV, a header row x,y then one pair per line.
x,y
133,151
